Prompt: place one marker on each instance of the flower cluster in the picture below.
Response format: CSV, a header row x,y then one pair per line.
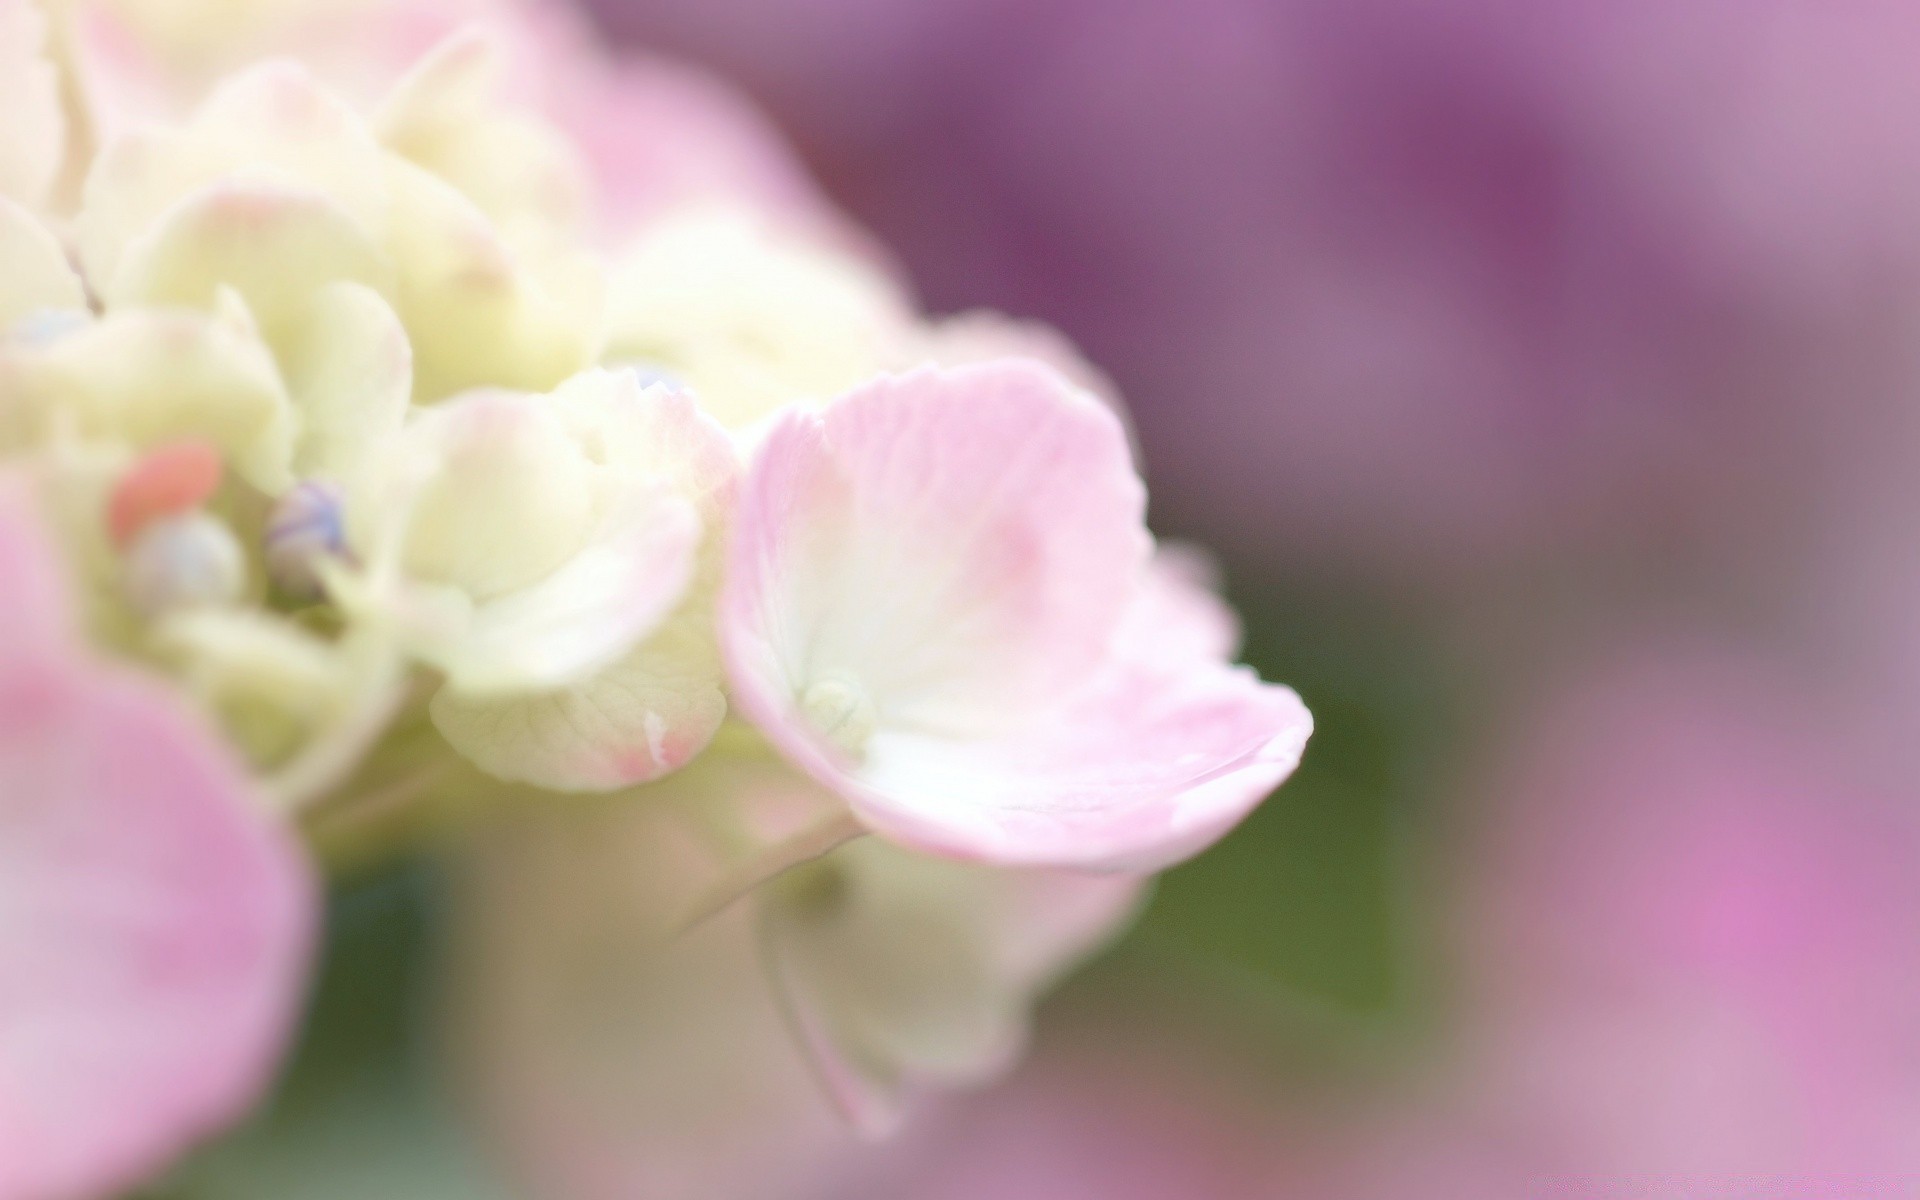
x,y
410,418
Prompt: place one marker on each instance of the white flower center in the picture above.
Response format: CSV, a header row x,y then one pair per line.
x,y
841,710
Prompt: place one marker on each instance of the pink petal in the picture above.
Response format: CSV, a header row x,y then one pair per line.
x,y
1178,615
1148,766
983,335
154,924
38,624
958,551
658,135
959,543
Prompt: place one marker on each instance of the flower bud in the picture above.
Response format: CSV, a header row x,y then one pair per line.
x,y
170,480
306,527
183,561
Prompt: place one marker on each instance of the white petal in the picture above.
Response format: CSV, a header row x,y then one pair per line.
x,y
1150,764
654,431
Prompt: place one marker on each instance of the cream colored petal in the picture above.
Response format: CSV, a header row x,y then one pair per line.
x,y
195,33
450,116
148,376
270,683
505,555
272,244
649,713
507,495
645,716
654,431
584,616
134,180
350,369
276,120
752,318
304,709
33,133
271,126
482,312
34,273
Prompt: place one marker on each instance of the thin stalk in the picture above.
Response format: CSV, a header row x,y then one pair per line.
x,y
816,840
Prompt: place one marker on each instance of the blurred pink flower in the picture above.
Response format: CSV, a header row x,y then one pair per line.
x,y
659,134
1695,955
1405,285
928,610
154,922
1113,1107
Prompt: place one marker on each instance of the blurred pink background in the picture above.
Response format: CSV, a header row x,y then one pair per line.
x,y
1545,375
1396,286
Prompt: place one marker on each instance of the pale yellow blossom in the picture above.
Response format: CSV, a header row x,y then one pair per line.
x,y
754,317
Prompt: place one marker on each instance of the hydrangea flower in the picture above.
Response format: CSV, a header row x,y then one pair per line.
x,y
446,425
555,574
